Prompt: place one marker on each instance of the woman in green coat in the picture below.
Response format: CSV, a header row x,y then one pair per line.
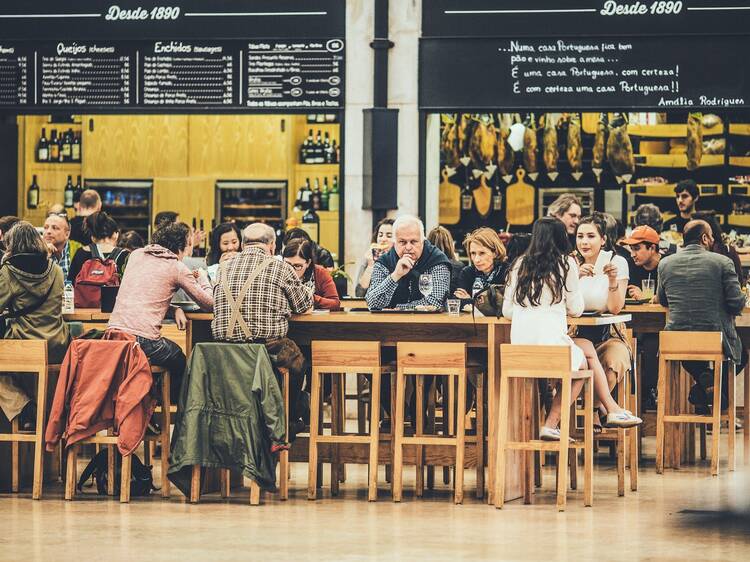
x,y
31,287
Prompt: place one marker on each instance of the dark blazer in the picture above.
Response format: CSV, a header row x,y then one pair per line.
x,y
702,292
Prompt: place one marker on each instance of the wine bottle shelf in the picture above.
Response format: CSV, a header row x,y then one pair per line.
x,y
55,166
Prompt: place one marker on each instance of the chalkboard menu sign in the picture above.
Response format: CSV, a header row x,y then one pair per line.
x,y
241,55
537,54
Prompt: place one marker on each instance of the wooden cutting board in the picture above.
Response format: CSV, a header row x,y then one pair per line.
x,y
519,201
450,201
483,197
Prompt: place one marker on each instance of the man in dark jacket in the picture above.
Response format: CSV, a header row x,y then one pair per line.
x,y
702,292
395,281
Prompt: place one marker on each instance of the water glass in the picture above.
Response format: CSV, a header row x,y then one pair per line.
x,y
647,288
454,306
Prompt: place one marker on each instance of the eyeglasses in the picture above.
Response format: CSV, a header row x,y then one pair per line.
x,y
298,266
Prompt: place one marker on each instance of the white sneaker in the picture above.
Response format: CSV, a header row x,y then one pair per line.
x,y
623,419
551,434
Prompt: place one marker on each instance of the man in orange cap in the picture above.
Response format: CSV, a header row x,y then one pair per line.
x,y
644,249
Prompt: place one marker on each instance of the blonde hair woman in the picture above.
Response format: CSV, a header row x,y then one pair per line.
x,y
488,264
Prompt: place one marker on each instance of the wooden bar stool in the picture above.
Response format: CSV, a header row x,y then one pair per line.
x,y
110,441
626,440
335,358
419,360
225,475
529,363
28,357
694,346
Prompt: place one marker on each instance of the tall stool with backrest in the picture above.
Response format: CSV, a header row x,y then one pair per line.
x,y
335,358
419,360
694,346
110,441
28,357
528,363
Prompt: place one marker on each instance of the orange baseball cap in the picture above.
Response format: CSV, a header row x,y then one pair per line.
x,y
642,234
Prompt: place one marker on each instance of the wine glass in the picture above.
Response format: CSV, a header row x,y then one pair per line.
x,y
425,284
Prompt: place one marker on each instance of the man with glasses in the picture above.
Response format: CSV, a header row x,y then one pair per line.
x,y
254,297
57,236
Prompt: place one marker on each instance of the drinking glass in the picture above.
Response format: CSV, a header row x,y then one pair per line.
x,y
425,284
647,288
454,307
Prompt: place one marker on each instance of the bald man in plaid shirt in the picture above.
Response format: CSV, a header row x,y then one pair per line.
x,y
266,292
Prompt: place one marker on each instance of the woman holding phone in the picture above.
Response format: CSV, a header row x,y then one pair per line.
x,y
603,280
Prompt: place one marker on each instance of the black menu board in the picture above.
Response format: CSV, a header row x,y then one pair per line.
x,y
226,55
588,54
302,74
14,75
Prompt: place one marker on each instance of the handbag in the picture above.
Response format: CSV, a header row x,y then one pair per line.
x,y
489,301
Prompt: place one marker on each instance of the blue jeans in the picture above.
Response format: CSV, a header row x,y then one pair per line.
x,y
166,353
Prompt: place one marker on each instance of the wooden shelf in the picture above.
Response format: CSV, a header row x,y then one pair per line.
x,y
54,166
320,169
246,206
740,161
667,189
677,160
739,129
669,131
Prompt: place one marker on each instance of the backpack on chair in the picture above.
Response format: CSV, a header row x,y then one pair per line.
x,y
97,272
141,479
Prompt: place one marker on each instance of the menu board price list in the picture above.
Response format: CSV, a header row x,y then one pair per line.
x,y
14,80
305,74
85,75
176,73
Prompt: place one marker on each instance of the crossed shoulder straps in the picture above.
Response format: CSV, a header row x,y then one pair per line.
x,y
236,317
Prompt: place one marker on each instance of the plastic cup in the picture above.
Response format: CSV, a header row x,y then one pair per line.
x,y
647,288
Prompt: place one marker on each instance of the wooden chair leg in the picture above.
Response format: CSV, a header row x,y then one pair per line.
x,y
111,466
419,432
661,405
15,458
480,436
335,413
255,492
321,410
226,483
732,415
702,435
562,461
397,429
166,420
502,437
372,491
284,455
312,465
588,444
361,418
125,471
431,428
389,468
716,425
195,484
460,439
71,472
633,436
573,452
342,424
147,457
452,422
526,432
746,414
36,490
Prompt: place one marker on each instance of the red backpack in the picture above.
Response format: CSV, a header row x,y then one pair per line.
x,y
96,273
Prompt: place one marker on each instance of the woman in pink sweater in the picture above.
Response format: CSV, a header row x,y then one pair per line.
x,y
153,275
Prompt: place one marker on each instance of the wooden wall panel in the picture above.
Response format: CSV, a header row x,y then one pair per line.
x,y
239,146
135,146
190,197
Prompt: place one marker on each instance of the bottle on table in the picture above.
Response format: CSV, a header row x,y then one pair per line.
x,y
476,287
42,147
32,197
68,193
68,304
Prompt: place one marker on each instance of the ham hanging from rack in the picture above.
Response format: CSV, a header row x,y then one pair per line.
x,y
600,146
449,141
530,147
620,149
505,155
694,149
575,148
551,151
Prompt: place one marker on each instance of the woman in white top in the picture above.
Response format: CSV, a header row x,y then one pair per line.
x,y
542,290
603,279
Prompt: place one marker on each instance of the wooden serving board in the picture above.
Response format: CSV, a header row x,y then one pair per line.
x,y
519,201
450,200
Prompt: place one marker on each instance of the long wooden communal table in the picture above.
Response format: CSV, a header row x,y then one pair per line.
x,y
388,328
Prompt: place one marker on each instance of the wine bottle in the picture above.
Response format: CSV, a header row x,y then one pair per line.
x,y
54,147
75,148
303,152
320,118
42,147
60,155
315,199
497,199
67,141
333,197
311,224
466,198
336,149
327,151
324,196
319,150
68,193
306,195
32,197
310,151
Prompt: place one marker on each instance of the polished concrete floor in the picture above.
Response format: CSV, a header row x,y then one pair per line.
x,y
656,523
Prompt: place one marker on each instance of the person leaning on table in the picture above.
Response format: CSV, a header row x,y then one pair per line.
x,y
265,306
701,291
395,276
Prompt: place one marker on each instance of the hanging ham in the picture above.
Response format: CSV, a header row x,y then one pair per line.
x,y
530,146
620,149
505,155
551,151
600,146
694,141
575,148
449,141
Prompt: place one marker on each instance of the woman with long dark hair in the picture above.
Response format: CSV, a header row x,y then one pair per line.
x,y
300,254
104,233
542,291
225,243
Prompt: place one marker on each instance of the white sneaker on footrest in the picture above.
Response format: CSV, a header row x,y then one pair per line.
x,y
551,434
624,419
